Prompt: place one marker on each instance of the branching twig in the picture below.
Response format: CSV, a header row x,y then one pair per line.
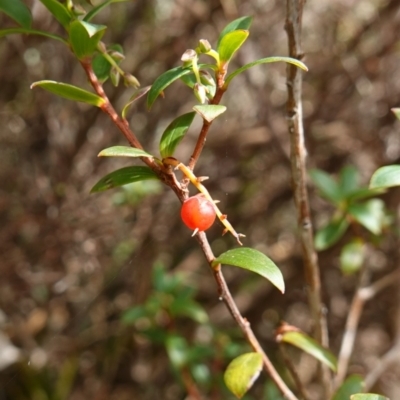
x,y
298,162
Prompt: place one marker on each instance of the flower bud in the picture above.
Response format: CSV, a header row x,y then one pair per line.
x,y
117,56
204,46
188,56
114,75
130,80
200,92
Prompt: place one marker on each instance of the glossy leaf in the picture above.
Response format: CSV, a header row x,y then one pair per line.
x,y
18,11
255,261
123,151
368,396
352,385
242,372
163,81
386,177
352,256
101,67
327,186
267,60
84,37
177,349
240,23
25,31
310,346
330,234
230,44
139,93
370,214
122,177
59,11
210,111
396,112
174,133
70,92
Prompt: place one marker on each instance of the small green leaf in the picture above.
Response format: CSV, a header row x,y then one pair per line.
x,y
210,111
310,346
163,81
364,193
255,261
24,31
267,60
242,372
59,11
352,256
174,133
370,214
95,10
327,186
353,384
70,92
188,308
240,23
18,11
396,112
122,177
101,67
386,177
136,96
230,44
348,180
84,37
177,349
368,396
123,151
131,315
330,234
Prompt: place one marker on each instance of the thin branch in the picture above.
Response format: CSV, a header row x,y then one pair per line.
x,y
298,162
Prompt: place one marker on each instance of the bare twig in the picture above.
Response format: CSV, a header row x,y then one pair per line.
x,y
298,161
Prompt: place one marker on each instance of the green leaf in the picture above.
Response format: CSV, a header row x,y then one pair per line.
x,y
209,111
348,180
230,44
255,261
136,96
84,37
177,349
101,67
188,308
352,256
174,133
240,23
310,346
386,177
327,186
123,151
242,372
331,233
12,31
368,396
131,315
163,81
396,112
364,193
70,92
267,60
18,11
59,11
95,10
122,177
370,214
353,384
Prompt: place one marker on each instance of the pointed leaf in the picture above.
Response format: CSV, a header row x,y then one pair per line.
x,y
163,81
122,177
396,112
95,10
327,186
70,92
364,193
174,133
368,396
139,93
84,37
18,11
59,11
386,177
330,234
123,151
240,23
267,60
348,180
353,384
209,112
310,346
242,372
352,256
255,261
12,31
230,44
101,67
370,214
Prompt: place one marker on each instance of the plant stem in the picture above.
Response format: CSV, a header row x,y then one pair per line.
x,y
293,27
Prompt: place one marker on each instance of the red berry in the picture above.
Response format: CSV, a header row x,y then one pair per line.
x,y
198,213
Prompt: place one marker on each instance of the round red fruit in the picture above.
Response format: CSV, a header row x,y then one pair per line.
x,y
198,213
